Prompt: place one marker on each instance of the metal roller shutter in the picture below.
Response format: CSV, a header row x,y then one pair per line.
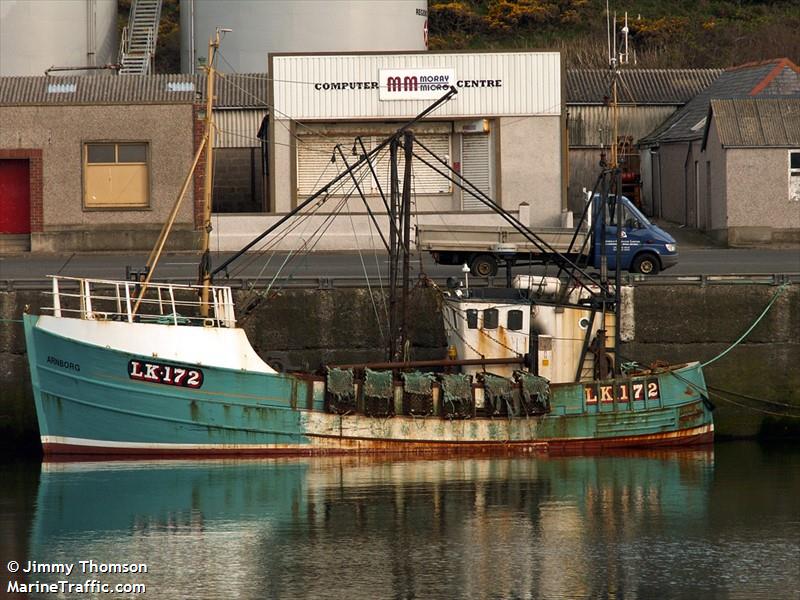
x,y
425,179
314,167
476,168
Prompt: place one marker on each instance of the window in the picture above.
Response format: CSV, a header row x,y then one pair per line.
x,y
491,318
472,318
794,175
514,320
116,175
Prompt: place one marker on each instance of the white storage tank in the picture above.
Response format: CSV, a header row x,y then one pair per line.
x,y
264,26
38,34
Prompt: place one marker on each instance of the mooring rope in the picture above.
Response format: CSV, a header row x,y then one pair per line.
x,y
779,291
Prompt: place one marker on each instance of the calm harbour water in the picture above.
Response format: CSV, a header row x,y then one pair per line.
x,y
721,523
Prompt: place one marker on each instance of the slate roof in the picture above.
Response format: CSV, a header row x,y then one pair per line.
x,y
238,90
638,86
233,90
756,122
774,78
97,89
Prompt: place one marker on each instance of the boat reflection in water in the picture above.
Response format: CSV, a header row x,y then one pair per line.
x,y
363,527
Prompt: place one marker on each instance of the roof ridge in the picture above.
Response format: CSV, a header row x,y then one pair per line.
x,y
784,61
770,77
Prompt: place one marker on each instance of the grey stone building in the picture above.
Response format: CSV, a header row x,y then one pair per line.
x,y
677,168
96,162
646,98
749,180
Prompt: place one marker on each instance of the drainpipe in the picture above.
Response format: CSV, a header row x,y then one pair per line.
x,y
655,155
192,50
686,185
91,31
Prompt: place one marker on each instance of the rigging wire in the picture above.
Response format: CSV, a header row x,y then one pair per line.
x,y
270,243
366,277
378,270
305,249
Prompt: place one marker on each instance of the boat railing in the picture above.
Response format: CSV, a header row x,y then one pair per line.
x,y
163,303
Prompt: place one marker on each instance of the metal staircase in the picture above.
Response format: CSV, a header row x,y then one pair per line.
x,y
138,46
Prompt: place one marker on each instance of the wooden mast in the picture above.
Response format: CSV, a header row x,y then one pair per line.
x,y
208,180
206,144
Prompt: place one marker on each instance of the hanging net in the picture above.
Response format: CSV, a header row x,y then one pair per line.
x,y
340,392
535,393
498,394
457,393
418,393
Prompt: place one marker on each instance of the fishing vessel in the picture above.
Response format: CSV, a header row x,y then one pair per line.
x,y
141,367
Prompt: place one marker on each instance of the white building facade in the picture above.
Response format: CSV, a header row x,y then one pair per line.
x,y
504,131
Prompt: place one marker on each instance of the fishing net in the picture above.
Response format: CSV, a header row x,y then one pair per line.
x,y
378,393
418,383
418,393
457,392
535,393
340,392
378,384
498,394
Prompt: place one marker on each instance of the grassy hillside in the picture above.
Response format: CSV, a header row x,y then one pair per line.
x,y
676,33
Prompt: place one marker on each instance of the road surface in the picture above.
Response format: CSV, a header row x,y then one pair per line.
x,y
183,266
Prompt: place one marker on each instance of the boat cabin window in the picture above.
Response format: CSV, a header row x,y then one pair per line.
x,y
472,318
514,322
116,175
491,318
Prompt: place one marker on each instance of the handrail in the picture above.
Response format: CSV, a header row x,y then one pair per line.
x,y
106,299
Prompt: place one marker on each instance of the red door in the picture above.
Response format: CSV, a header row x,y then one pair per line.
x,y
15,196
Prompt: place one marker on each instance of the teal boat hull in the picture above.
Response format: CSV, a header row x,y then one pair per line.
x,y
92,399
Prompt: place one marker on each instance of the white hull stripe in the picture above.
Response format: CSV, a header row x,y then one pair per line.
x,y
71,441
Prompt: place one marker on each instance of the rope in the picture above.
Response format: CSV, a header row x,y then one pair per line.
x,y
10,320
366,276
739,404
755,408
754,399
779,291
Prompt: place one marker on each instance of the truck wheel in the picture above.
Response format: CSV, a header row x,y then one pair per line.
x,y
484,265
647,264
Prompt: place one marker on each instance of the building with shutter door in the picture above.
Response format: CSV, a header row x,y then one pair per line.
x,y
504,132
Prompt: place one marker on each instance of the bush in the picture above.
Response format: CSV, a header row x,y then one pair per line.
x,y
447,18
508,15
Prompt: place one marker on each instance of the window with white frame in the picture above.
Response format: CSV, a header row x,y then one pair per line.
x,y
116,175
794,175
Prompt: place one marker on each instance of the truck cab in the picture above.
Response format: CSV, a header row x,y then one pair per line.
x,y
646,248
